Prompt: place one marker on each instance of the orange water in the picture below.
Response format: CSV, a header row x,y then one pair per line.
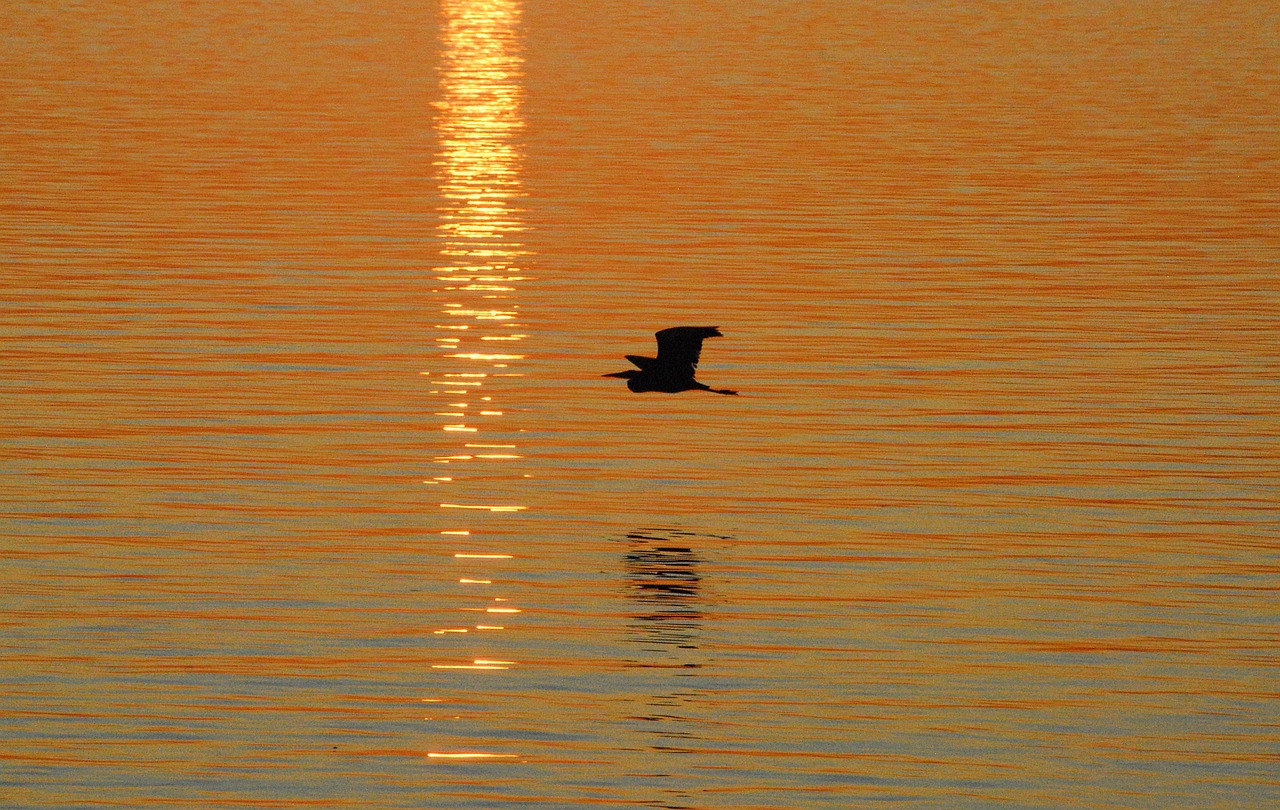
x,y
993,523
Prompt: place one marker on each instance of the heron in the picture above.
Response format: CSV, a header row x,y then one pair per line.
x,y
672,370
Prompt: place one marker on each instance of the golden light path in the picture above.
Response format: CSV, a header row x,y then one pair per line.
x,y
479,166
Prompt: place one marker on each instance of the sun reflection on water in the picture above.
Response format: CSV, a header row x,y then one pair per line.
x,y
480,255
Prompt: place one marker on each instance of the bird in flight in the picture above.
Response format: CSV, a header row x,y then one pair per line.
x,y
672,370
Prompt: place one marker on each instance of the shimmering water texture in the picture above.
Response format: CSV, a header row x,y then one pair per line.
x,y
314,495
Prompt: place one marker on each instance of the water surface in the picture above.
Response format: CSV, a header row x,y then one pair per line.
x,y
314,495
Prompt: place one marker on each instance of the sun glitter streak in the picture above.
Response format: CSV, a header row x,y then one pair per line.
x,y
478,164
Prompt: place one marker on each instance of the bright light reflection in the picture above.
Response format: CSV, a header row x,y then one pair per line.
x,y
488,508
479,162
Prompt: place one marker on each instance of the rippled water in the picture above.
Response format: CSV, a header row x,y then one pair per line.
x,y
314,495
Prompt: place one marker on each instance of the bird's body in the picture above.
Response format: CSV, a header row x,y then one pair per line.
x,y
672,370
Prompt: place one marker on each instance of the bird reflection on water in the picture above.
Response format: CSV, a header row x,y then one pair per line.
x,y
672,370
665,584
663,580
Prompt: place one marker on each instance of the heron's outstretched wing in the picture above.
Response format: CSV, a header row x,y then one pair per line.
x,y
680,346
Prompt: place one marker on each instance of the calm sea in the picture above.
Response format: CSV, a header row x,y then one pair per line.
x,y
313,495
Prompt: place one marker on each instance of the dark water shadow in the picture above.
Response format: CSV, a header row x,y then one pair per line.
x,y
665,581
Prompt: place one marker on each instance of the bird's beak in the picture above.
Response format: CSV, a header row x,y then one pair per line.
x,y
621,374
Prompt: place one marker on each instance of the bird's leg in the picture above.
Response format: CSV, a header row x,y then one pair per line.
x,y
724,391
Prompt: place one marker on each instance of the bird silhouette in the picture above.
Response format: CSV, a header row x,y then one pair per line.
x,y
672,370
